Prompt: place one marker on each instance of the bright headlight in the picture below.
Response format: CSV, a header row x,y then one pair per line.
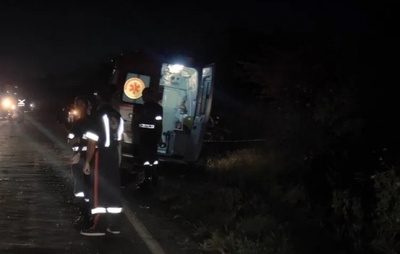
x,y
6,103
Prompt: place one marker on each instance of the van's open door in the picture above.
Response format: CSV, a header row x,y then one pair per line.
x,y
203,109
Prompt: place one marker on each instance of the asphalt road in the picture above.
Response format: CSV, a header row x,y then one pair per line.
x,y
37,207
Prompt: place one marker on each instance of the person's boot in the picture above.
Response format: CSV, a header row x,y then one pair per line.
x,y
84,217
113,224
146,183
87,215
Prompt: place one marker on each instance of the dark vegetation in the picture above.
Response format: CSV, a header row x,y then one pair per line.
x,y
326,179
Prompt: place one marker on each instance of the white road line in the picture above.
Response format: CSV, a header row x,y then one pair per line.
x,y
151,243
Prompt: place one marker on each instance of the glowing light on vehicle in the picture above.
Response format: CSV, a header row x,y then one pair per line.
x,y
176,68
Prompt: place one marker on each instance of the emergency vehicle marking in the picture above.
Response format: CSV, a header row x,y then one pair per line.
x,y
133,88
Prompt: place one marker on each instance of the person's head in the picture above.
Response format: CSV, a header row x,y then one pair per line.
x,y
82,104
148,95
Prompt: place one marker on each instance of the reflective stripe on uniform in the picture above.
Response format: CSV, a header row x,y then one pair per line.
x,y
98,210
92,136
158,118
76,148
79,194
114,209
120,128
146,126
106,122
147,163
71,135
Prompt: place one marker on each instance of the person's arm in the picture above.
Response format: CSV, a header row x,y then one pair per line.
x,y
91,148
120,132
73,140
119,153
73,137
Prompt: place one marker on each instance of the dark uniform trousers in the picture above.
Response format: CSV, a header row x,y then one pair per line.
x,y
107,200
81,186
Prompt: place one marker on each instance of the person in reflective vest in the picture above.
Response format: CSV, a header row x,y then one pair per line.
x,y
148,127
106,135
77,142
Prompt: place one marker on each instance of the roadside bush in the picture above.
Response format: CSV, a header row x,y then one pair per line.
x,y
267,202
247,169
387,213
372,229
249,205
349,220
270,238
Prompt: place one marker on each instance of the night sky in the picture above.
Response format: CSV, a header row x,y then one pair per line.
x,y
42,37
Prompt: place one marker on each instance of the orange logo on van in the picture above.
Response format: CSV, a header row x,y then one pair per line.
x,y
133,88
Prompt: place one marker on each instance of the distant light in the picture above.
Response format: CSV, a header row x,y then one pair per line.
x,y
21,103
176,68
6,103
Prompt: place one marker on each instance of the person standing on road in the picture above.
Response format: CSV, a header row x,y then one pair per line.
x,y
77,141
148,127
105,133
